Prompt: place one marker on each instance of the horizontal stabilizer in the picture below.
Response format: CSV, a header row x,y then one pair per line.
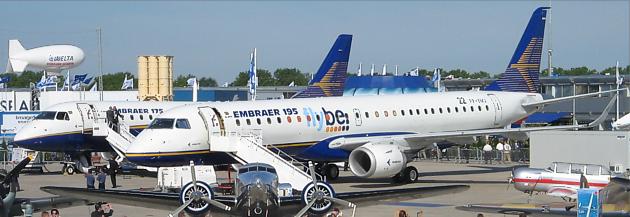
x,y
16,66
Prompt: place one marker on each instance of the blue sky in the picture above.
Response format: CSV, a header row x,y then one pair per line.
x,y
215,38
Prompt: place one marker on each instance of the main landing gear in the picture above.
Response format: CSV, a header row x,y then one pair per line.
x,y
407,175
330,171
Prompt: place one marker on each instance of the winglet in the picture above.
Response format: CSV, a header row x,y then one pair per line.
x,y
604,114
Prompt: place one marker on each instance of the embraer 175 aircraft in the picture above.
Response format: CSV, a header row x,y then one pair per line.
x,y
68,127
378,135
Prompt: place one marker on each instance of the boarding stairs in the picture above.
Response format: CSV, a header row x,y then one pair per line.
x,y
120,141
247,147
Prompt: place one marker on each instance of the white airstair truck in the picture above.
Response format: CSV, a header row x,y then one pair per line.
x,y
169,178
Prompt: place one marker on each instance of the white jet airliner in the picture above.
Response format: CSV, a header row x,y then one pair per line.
x,y
378,135
67,127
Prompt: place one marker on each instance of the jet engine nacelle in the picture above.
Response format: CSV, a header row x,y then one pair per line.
x,y
374,160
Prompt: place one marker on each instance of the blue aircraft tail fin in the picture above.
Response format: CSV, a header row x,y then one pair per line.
x,y
523,71
332,74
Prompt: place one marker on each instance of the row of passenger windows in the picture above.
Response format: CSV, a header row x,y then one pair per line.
x,y
426,111
131,117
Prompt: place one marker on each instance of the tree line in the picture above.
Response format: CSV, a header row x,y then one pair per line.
x,y
284,77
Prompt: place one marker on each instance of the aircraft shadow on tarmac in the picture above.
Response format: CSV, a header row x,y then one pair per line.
x,y
386,182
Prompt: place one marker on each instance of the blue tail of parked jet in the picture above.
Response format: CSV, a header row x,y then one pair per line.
x,y
332,74
522,73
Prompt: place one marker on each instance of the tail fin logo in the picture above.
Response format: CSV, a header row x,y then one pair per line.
x,y
331,76
522,72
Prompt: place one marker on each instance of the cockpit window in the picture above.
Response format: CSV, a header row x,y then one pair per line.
x,y
46,116
62,116
162,123
182,124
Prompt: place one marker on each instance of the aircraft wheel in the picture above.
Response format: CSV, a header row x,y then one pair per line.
x,y
189,192
69,169
410,174
322,205
332,171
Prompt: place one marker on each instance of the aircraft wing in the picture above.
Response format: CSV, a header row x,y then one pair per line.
x,y
153,200
425,137
368,198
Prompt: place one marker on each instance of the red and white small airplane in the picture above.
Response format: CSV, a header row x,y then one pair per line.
x,y
561,179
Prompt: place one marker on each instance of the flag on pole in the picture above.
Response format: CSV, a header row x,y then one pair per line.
x,y
78,79
384,69
94,87
292,84
66,83
619,79
372,70
191,82
359,73
253,77
127,83
436,75
87,80
226,84
396,71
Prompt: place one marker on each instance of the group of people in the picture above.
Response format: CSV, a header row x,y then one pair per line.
x,y
100,174
113,117
503,151
52,213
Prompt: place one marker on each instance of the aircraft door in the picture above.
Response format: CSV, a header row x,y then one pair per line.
x,y
357,116
498,109
87,116
213,120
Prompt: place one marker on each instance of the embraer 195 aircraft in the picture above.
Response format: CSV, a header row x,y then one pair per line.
x,y
67,127
378,135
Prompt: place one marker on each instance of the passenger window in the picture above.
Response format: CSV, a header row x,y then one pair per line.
x,y
385,113
356,115
376,114
182,124
402,112
131,117
288,119
448,109
394,112
479,108
464,108
440,110
432,111
299,118
426,112
141,117
472,108
150,117
248,121
317,117
487,108
367,115
268,120
238,122
308,118
456,109
417,111
258,121
279,120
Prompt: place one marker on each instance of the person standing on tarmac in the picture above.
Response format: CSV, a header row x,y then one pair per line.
x,y
113,169
101,178
500,152
487,153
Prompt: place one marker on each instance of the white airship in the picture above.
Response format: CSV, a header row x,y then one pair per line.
x,y
52,58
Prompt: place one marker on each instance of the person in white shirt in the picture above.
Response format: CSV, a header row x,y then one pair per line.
x,y
487,153
507,152
500,152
